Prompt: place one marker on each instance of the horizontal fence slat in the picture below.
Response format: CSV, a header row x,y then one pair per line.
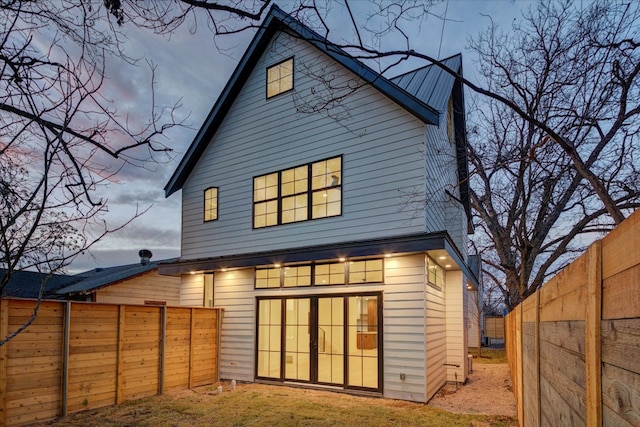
x,y
114,355
588,340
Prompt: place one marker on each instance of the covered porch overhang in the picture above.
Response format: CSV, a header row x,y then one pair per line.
x,y
437,244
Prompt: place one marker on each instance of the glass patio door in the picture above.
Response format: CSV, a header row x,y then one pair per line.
x,y
330,340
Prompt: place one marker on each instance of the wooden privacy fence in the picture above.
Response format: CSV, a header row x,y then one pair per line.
x,y
494,327
574,346
78,355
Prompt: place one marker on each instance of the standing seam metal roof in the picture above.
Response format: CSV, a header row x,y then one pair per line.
x,y
431,84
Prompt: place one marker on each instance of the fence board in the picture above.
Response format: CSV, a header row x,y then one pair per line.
x,y
620,247
620,296
570,381
588,339
555,410
621,393
494,327
113,355
621,343
564,296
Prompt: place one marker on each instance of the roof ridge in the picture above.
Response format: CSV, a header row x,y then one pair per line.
x,y
278,20
433,64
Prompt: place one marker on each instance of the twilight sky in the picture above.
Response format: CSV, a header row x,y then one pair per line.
x,y
193,69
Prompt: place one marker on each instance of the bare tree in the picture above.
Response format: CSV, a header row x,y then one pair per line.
x,y
61,137
576,71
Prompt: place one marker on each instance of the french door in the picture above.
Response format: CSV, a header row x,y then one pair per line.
x,y
332,340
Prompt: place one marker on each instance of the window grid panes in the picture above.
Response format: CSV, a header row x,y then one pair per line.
x,y
267,278
297,276
330,274
326,178
265,197
305,192
211,204
435,273
280,78
269,338
367,271
322,274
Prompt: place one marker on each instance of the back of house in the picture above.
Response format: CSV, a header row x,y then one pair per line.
x,y
325,209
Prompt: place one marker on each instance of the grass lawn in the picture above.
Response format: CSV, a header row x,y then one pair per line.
x,y
489,355
263,405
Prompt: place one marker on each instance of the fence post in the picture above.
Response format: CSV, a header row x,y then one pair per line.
x,y
4,331
191,346
537,358
65,358
519,366
593,348
163,346
119,356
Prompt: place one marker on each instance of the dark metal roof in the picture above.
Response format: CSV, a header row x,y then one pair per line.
x,y
277,20
97,278
26,284
431,84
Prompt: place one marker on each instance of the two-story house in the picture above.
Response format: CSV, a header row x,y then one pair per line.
x,y
325,209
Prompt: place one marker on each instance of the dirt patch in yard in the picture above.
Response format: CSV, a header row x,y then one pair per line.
x,y
487,391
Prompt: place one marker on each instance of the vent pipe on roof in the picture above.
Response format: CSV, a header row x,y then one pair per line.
x,y
145,255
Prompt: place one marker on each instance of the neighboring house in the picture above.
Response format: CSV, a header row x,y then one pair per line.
x,y
27,284
334,239
125,284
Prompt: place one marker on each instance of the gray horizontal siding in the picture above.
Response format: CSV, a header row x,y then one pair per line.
x,y
404,316
383,162
436,340
233,291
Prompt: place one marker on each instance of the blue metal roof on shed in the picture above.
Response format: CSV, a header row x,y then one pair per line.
x,y
97,278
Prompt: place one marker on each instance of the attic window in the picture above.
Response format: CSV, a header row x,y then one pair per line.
x,y
450,128
211,204
280,78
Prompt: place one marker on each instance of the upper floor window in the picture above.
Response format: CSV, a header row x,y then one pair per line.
x,y
280,78
211,204
301,193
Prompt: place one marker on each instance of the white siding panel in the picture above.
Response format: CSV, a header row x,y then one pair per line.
x,y
192,290
233,292
444,212
475,319
383,162
456,328
404,338
436,340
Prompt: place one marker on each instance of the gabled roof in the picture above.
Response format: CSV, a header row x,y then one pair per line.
x,y
435,86
26,284
277,20
431,84
92,280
